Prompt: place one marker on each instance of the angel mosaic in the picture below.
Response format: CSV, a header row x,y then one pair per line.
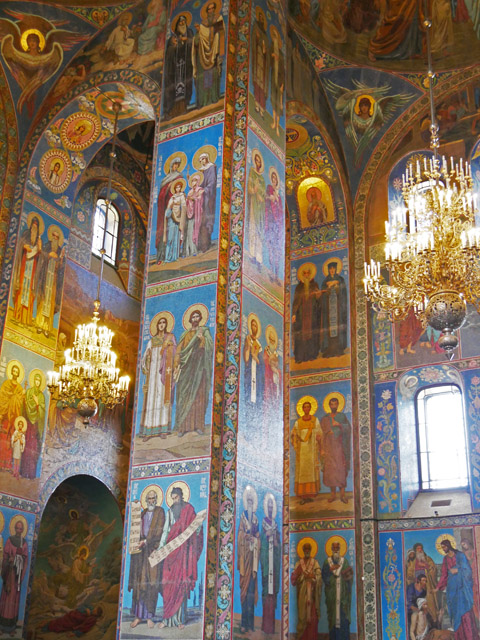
x,y
32,48
364,111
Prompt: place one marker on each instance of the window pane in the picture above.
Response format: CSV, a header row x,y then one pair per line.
x,y
106,238
441,431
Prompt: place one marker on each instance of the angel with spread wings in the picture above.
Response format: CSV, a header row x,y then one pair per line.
x,y
32,48
364,110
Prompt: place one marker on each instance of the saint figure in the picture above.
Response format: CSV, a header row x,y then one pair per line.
x,y
333,331
157,365
306,315
256,193
207,54
337,433
306,441
143,578
337,577
307,578
193,369
14,567
248,552
179,568
270,561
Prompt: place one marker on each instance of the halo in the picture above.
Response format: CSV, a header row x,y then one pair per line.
x,y
304,541
31,378
199,175
301,269
88,137
49,159
188,17
357,103
156,489
259,11
174,184
337,261
2,521
203,10
168,161
271,171
29,32
13,522
256,152
84,546
51,229
441,538
253,316
71,512
209,149
41,223
331,541
273,29
20,367
271,331
249,490
311,190
181,485
195,307
17,420
302,401
268,495
334,394
162,314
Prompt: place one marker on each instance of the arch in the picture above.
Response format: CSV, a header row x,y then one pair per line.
x,y
76,574
146,100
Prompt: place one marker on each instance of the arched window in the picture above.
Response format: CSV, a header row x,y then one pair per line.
x,y
442,447
105,235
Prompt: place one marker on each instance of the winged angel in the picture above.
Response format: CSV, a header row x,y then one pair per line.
x,y
364,110
32,48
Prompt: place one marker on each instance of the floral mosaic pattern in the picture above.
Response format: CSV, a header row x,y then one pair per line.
x,y
387,449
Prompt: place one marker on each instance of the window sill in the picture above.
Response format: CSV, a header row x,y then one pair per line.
x,y
458,500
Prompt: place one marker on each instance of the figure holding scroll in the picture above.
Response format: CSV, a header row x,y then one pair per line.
x,y
179,573
143,578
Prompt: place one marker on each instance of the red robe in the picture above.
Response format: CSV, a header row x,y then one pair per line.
x,y
13,573
73,621
180,567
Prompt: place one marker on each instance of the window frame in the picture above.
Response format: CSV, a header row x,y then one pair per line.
x,y
111,208
421,488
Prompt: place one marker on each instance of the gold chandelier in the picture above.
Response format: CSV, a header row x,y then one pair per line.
x,y
432,244
89,374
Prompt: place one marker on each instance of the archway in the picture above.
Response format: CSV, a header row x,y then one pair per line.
x,y
75,582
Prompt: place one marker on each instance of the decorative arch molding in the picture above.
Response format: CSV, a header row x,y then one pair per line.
x,y
128,189
77,469
8,158
136,80
294,107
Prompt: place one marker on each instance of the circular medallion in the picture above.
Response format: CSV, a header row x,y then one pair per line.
x,y
104,105
56,170
80,130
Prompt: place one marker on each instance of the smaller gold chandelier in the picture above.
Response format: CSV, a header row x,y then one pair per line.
x,y
432,244
89,374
